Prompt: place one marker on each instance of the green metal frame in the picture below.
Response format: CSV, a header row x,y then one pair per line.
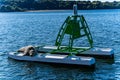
x,y
73,26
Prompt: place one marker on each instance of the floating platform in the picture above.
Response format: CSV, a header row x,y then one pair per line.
x,y
92,52
55,59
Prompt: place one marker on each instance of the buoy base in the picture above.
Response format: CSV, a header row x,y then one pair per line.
x,y
102,53
55,59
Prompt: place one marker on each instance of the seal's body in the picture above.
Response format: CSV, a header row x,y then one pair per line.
x,y
27,50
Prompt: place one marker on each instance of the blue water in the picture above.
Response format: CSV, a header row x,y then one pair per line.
x,y
20,29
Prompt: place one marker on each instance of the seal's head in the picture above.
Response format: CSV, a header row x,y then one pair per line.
x,y
31,52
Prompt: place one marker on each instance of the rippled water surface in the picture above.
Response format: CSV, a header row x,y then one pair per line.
x,y
35,28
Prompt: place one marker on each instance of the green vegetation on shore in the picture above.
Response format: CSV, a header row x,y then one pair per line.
x,y
24,5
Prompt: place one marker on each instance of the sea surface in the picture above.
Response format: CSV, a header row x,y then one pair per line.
x,y
18,29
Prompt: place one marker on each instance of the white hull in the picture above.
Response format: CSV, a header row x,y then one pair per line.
x,y
54,58
98,52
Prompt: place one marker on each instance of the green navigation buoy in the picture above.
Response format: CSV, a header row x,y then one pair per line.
x,y
76,28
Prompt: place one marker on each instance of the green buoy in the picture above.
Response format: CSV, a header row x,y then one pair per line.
x,y
76,28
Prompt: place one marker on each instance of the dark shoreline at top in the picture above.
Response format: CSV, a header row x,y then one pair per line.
x,y
33,5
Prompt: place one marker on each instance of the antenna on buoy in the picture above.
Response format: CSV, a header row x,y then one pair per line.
x,y
74,6
75,9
